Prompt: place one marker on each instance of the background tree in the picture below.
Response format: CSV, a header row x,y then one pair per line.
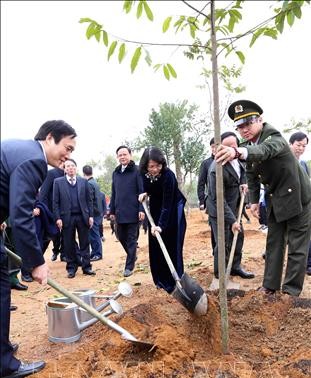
x,y
103,169
302,125
175,129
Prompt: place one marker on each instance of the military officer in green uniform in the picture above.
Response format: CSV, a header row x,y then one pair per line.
x,y
270,161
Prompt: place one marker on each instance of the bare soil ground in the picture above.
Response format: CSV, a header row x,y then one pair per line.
x,y
269,337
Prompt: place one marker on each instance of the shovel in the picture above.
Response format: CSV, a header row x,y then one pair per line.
x,y
230,284
186,291
124,334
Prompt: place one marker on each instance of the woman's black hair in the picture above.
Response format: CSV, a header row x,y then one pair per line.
x,y
152,153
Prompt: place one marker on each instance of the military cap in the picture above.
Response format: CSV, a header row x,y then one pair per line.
x,y
243,110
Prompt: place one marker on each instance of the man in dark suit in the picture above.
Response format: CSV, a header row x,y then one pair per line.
x,y
124,206
203,185
46,196
270,161
73,211
94,233
233,180
22,172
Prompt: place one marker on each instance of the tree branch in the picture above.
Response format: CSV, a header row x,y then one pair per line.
x,y
195,9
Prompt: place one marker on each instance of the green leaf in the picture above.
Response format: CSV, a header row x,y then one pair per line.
x,y
193,29
127,6
166,72
105,38
148,58
241,56
121,52
285,5
279,22
166,24
256,35
139,9
231,23
97,35
172,71
271,33
148,11
90,30
112,48
157,66
85,20
236,13
135,59
297,11
290,18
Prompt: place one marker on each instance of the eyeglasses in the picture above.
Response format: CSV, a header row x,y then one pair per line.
x,y
246,124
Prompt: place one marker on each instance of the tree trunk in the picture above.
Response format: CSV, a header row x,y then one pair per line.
x,y
219,194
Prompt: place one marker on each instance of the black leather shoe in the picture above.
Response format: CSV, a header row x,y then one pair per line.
x,y
242,273
27,369
63,259
71,274
95,258
216,275
265,290
13,308
27,278
19,286
89,272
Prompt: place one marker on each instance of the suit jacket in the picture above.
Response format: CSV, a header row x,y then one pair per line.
x,y
62,200
46,190
96,197
231,184
203,180
126,186
272,163
23,169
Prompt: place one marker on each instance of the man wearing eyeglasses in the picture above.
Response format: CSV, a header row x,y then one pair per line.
x,y
270,161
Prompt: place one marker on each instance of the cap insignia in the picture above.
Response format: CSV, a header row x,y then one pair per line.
x,y
238,109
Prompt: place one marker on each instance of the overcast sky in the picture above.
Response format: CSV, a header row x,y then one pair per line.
x,y
49,70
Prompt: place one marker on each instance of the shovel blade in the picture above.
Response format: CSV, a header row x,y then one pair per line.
x,y
138,343
191,295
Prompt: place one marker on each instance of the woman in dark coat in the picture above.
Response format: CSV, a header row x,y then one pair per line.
x,y
166,204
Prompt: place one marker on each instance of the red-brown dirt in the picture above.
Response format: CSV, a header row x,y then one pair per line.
x,y
268,337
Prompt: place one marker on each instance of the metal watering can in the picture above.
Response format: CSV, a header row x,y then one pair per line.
x,y
66,319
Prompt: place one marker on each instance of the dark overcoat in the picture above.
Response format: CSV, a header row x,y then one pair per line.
x,y
126,187
167,209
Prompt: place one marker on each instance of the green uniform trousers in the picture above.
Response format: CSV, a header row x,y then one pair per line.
x,y
296,233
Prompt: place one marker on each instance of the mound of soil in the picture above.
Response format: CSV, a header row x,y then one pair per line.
x,y
269,336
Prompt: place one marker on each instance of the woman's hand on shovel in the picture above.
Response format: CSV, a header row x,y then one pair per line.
x,y
155,229
40,274
142,197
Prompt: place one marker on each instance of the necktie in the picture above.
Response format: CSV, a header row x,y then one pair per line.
x,y
72,181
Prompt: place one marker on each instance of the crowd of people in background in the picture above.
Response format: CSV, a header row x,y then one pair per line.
x,y
40,205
